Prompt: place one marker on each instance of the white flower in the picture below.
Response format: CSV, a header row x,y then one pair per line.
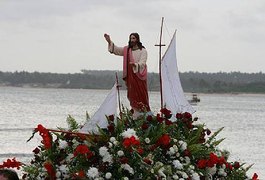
x,y
161,173
187,159
125,178
120,153
129,133
175,177
103,151
108,175
147,140
92,172
183,145
58,174
195,176
107,158
177,164
62,144
110,145
175,140
184,175
69,157
221,172
175,148
171,151
211,170
112,139
128,168
116,143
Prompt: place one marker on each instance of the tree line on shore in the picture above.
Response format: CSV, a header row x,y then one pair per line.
x,y
220,82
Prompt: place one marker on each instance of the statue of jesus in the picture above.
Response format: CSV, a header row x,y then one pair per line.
x,y
134,71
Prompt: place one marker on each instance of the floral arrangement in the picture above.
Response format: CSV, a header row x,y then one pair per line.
x,y
151,147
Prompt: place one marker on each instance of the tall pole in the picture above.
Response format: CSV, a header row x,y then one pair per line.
x,y
160,59
118,89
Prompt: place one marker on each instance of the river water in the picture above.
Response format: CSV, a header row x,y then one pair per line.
x,y
22,109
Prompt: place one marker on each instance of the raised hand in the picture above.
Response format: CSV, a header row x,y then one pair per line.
x,y
107,37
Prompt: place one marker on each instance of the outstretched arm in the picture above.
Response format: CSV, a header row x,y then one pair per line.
x,y
112,48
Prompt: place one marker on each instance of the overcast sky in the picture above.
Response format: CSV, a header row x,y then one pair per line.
x,y
66,36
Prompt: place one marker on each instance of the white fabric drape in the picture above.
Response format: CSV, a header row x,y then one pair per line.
x,y
173,95
107,108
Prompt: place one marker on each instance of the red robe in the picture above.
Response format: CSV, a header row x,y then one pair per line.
x,y
136,83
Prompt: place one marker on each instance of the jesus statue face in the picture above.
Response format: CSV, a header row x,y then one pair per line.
x,y
133,40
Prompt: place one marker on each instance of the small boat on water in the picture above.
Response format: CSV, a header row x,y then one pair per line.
x,y
195,99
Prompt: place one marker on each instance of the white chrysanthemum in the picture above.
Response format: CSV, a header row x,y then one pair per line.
x,y
108,158
112,139
147,140
69,157
177,164
184,175
195,176
92,172
110,145
108,175
125,178
63,144
58,174
175,140
192,167
187,159
175,177
211,170
161,173
171,151
120,153
116,143
183,145
175,147
103,151
129,133
128,168
222,172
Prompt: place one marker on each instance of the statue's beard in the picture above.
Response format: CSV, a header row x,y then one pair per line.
x,y
132,44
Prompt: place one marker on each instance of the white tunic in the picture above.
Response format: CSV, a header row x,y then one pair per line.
x,y
140,56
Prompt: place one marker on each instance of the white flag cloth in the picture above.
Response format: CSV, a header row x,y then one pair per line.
x,y
107,108
172,92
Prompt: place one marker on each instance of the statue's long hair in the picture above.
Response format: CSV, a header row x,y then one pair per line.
x,y
139,44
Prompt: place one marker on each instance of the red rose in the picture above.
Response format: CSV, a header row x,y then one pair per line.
x,y
124,160
36,150
164,140
179,116
145,126
168,122
132,141
236,165
166,112
159,118
111,128
187,153
83,150
149,118
221,161
140,150
202,163
187,115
